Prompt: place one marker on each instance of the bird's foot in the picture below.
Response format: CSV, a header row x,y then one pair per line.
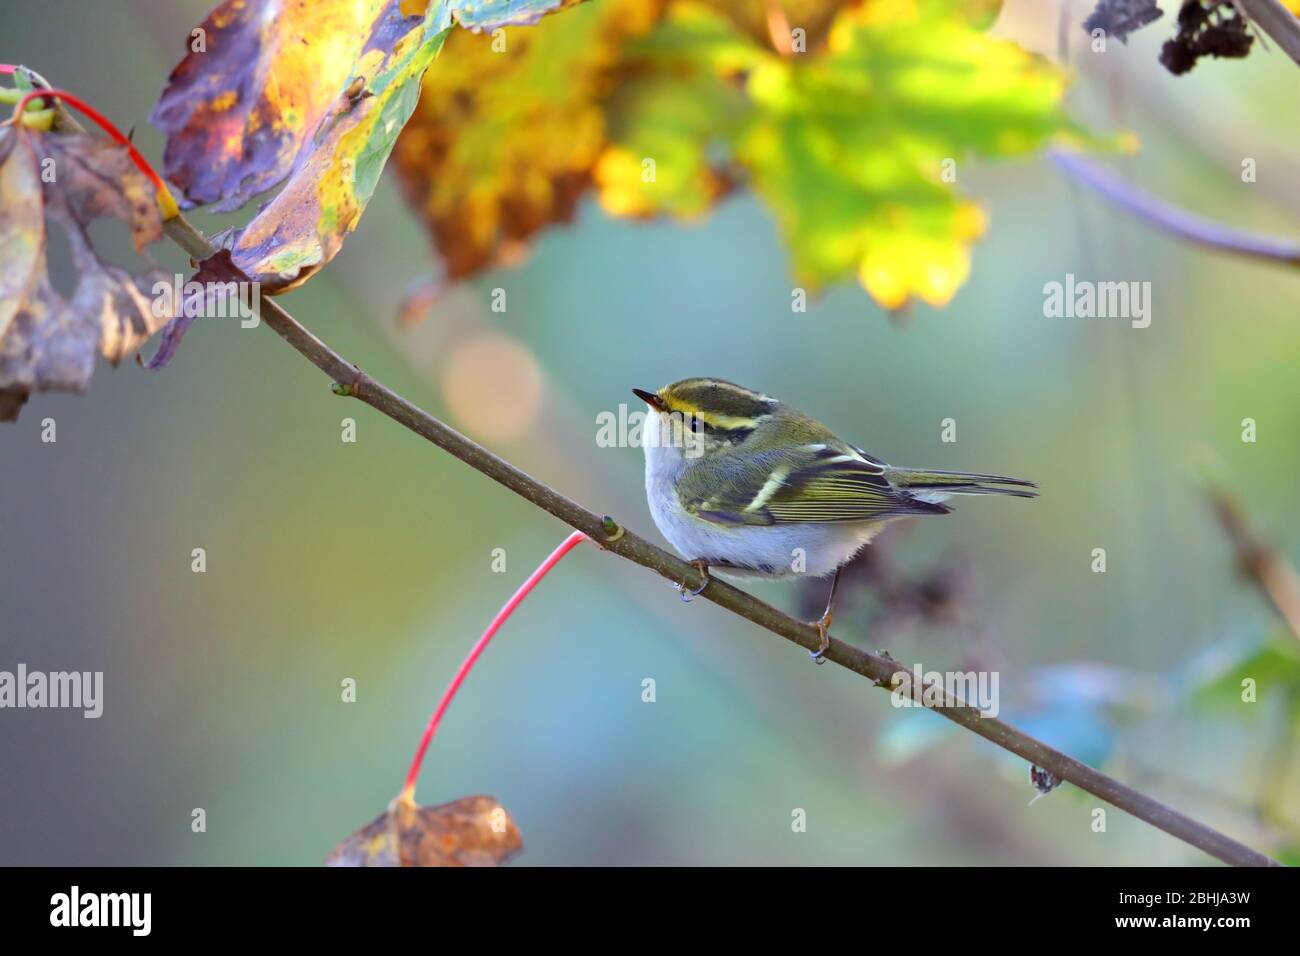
x,y
823,625
688,595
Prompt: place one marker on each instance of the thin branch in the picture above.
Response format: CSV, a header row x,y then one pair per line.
x,y
608,534
1277,21
1173,219
1260,563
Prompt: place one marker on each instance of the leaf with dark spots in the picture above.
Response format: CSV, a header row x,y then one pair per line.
x,y
242,108
48,342
238,112
311,93
471,831
304,226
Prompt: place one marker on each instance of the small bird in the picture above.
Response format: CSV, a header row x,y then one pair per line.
x,y
742,483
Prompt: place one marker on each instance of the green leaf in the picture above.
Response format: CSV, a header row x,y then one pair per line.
x,y
854,148
509,128
1274,669
666,133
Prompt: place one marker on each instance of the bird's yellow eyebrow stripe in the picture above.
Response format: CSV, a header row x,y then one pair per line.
x,y
712,419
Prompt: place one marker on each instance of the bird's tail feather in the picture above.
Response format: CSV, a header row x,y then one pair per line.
x,y
960,483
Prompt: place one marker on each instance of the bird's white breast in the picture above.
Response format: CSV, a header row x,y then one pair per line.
x,y
810,548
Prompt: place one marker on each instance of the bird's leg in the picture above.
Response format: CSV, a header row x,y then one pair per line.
x,y
687,595
823,624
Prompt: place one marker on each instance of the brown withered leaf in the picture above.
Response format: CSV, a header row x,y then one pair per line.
x,y
48,342
471,831
508,128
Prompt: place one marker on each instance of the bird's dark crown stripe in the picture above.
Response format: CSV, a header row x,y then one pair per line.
x,y
719,404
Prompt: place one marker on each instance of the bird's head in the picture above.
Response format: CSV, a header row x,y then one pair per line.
x,y
698,416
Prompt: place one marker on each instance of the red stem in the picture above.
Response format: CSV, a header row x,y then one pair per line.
x,y
408,789
104,123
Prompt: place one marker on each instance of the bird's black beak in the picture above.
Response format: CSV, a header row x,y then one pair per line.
x,y
650,398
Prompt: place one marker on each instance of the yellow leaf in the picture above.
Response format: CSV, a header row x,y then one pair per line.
x,y
509,127
856,144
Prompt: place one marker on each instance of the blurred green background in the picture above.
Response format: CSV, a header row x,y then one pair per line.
x,y
372,560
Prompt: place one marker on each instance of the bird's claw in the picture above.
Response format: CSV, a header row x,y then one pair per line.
x,y
823,626
688,595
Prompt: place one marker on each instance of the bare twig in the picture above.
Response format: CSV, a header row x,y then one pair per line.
x,y
350,380
1260,563
1173,219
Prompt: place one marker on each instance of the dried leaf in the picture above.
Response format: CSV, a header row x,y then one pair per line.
x,y
472,831
303,228
504,139
47,342
260,77
312,91
238,111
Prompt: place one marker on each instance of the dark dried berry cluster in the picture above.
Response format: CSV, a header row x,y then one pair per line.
x,y
1205,28
1119,18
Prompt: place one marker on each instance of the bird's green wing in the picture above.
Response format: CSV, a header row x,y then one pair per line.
x,y
815,483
